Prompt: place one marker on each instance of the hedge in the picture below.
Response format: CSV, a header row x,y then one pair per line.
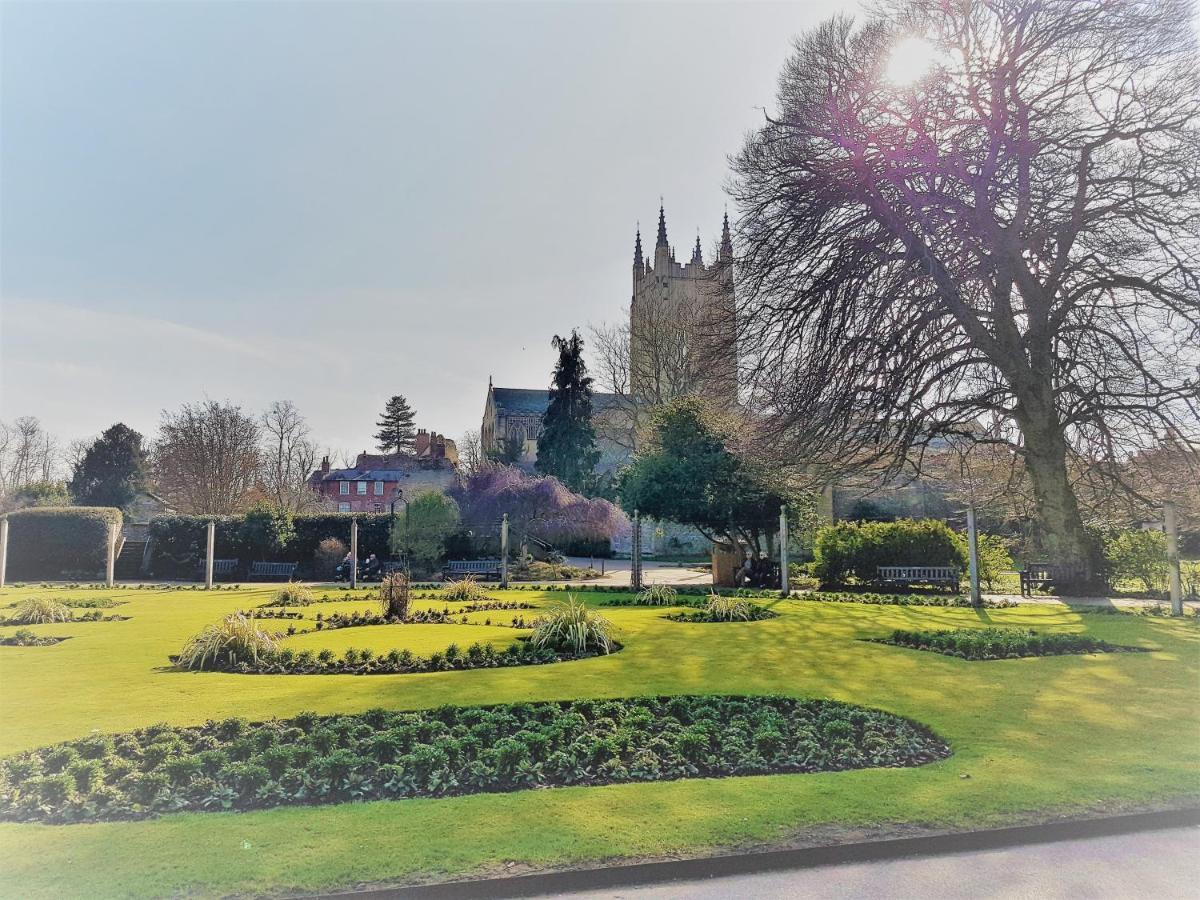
x,y
53,542
178,542
846,549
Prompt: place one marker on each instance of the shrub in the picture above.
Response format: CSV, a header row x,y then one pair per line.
x,y
23,637
328,556
572,627
467,588
1000,643
658,595
39,611
725,609
268,532
381,754
235,639
1138,556
394,595
847,549
994,559
51,542
293,594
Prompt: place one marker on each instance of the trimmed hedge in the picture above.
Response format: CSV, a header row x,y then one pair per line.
x,y
179,541
848,549
56,542
386,755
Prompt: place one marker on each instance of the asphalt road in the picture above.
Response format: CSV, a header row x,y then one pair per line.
x,y
1158,865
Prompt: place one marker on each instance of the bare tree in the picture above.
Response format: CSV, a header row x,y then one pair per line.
x,y
289,457
471,458
208,458
1013,234
28,454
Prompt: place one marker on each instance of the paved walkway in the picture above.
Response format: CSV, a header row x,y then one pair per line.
x,y
1162,865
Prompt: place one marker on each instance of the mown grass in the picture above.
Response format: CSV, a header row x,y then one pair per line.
x,y
1037,737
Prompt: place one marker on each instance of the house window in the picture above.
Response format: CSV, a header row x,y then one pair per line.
x,y
379,489
362,487
343,487
343,507
378,507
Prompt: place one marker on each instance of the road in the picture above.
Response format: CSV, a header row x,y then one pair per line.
x,y
1163,865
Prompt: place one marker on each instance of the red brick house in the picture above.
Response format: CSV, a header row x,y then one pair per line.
x,y
378,480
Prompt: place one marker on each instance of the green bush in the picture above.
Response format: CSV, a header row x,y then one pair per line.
x,y
725,609
1000,643
1139,556
390,754
572,627
849,549
59,542
235,639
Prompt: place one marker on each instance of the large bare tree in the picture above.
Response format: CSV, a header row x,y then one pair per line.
x,y
207,458
289,456
1015,233
28,454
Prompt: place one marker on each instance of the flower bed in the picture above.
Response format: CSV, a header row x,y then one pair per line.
x,y
901,599
380,754
754,613
26,638
1000,643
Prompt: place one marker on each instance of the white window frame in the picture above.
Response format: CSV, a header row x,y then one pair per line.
x,y
362,488
343,487
343,507
379,489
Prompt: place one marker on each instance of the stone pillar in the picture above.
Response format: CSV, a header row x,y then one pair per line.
x,y
209,555
353,553
504,551
784,581
973,558
1171,526
3,550
111,564
635,556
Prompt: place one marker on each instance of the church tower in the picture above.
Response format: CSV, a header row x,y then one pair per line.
x,y
682,322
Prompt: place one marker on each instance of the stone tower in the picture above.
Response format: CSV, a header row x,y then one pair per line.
x,y
682,322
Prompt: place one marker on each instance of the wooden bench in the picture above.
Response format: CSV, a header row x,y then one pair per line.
x,y
225,567
950,576
481,568
273,570
1039,575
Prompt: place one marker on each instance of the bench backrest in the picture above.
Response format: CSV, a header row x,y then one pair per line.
x,y
272,568
1042,571
917,573
473,565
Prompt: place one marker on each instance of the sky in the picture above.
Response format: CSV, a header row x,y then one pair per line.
x,y
333,203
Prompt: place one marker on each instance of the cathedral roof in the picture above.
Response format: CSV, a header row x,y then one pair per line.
x,y
533,401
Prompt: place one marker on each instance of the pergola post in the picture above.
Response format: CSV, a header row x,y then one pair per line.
x,y
504,551
209,555
784,581
1171,527
973,558
3,550
353,554
110,569
635,562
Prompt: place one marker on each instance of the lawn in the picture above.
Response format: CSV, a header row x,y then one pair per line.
x,y
1032,738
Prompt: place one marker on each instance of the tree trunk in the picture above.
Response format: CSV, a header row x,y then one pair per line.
x,y
1063,538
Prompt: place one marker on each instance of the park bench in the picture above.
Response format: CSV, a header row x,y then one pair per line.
x,y
272,570
949,576
480,568
1042,576
222,568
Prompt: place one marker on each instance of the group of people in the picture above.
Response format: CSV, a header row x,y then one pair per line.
x,y
370,569
757,571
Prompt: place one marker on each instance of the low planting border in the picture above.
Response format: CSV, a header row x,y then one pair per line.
x,y
384,754
979,644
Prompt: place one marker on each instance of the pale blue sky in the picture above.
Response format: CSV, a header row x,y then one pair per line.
x,y
332,203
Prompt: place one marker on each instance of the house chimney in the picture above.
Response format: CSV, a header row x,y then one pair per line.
x,y
324,465
422,442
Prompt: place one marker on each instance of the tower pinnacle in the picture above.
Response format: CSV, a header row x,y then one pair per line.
x,y
662,227
726,241
697,254
637,249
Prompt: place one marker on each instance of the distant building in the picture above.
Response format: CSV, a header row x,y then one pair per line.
x,y
376,481
515,415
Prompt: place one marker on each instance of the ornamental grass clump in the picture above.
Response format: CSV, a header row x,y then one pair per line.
x,y
39,611
658,595
234,640
728,609
293,594
573,628
467,589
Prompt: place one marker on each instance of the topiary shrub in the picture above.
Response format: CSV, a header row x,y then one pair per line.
x,y
57,542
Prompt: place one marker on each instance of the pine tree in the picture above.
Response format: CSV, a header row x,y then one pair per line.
x,y
396,433
112,470
567,445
